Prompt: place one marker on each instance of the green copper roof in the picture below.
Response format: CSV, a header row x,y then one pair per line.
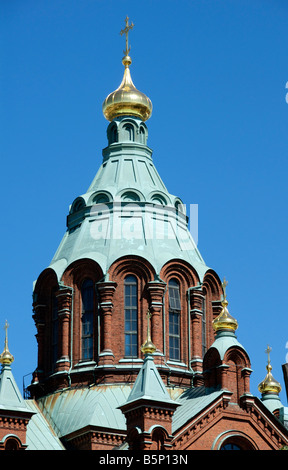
x,y
127,210
70,410
149,385
39,435
225,340
10,396
192,402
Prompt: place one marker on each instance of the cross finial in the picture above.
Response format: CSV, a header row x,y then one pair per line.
x,y
267,351
224,284
6,357
126,31
6,326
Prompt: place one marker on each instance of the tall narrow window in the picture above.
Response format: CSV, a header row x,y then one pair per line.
x,y
174,320
131,316
55,324
204,344
87,294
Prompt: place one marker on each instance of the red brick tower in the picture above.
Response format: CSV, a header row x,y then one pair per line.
x,y
127,249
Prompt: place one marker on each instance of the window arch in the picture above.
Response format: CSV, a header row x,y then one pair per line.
x,y
87,319
234,440
12,443
142,136
128,132
174,319
131,316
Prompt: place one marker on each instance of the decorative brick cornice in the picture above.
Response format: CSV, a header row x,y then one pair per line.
x,y
13,423
96,439
202,420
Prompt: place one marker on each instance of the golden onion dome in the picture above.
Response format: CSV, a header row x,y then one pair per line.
x,y
225,321
6,357
127,100
269,384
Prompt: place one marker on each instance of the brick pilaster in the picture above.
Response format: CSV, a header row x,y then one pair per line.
x,y
64,299
156,291
106,291
196,314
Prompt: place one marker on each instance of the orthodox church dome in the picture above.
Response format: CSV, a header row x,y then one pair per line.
x,y
225,321
269,384
127,100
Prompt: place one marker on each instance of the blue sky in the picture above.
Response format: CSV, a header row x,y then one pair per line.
x,y
216,72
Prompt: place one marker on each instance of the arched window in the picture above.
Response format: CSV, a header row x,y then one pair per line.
x,y
128,133
87,294
114,134
142,135
11,444
55,329
131,316
174,320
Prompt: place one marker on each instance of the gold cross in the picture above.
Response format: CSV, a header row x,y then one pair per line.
x,y
268,350
126,31
6,326
224,284
149,315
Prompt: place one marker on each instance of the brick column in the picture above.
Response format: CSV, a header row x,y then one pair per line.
x,y
40,313
196,313
156,290
106,291
64,299
246,372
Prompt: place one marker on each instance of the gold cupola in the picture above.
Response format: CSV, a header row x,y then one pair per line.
x,y
6,357
127,100
269,384
225,321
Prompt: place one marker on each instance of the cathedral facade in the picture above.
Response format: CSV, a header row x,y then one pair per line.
x,y
136,347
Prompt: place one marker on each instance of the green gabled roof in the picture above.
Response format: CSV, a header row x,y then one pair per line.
x,y
40,435
70,410
192,402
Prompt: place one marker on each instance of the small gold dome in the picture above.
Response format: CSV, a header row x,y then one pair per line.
x,y
148,347
269,384
6,357
225,321
127,100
